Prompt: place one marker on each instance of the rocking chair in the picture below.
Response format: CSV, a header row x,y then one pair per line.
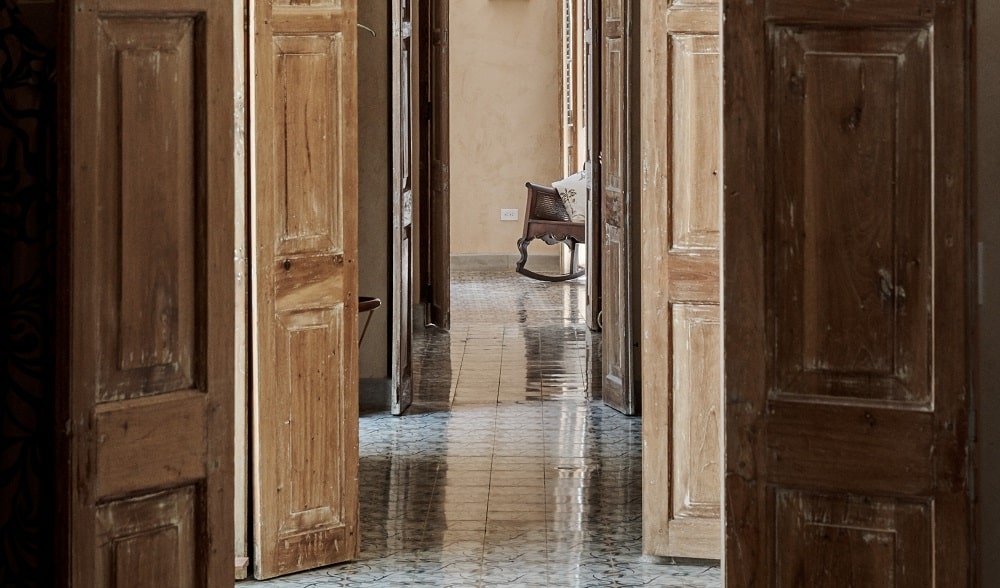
x,y
546,218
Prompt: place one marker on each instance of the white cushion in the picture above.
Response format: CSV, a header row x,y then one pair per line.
x,y
573,191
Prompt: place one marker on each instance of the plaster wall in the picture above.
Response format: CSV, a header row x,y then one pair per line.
x,y
505,116
374,183
987,181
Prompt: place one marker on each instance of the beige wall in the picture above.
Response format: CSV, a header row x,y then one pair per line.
x,y
374,182
988,183
505,121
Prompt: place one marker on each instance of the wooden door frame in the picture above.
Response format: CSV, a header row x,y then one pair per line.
x,y
432,270
432,162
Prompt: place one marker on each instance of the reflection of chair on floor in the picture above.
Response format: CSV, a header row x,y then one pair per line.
x,y
546,218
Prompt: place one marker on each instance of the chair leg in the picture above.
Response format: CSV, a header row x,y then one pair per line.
x,y
522,246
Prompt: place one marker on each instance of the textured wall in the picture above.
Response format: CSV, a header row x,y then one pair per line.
x,y
27,218
505,121
374,182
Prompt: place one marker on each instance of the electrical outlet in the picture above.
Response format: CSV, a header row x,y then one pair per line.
x,y
508,214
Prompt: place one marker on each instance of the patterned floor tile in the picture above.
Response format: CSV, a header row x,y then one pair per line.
x,y
508,470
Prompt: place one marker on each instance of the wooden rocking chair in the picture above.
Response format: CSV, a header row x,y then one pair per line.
x,y
546,218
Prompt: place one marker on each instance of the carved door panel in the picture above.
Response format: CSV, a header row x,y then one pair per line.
x,y
682,387
846,294
402,207
149,293
304,237
616,278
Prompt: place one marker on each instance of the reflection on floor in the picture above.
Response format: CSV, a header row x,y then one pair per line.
x,y
508,470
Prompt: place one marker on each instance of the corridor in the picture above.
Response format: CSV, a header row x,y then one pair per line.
x,y
508,470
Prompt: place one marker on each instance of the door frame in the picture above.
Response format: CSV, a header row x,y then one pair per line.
x,y
433,263
432,154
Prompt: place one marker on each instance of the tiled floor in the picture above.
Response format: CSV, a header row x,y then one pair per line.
x,y
508,470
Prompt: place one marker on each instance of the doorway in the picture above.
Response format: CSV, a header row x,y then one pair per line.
x,y
508,469
508,109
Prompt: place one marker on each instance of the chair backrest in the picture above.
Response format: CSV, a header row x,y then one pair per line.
x,y
544,203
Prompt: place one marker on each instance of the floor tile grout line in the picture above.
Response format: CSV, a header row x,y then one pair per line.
x,y
588,539
493,450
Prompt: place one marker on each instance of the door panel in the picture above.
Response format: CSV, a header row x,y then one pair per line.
x,y
616,298
846,294
304,233
682,388
402,207
150,268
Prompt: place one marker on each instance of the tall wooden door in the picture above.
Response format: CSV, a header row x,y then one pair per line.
x,y
682,344
304,237
593,42
149,356
616,269
402,207
846,293
435,217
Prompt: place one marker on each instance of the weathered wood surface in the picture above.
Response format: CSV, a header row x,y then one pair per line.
x,y
681,240
618,387
304,238
149,243
845,294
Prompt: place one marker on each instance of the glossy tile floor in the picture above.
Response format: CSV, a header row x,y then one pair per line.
x,y
508,470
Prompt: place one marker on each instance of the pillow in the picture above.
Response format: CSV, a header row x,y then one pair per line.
x,y
573,191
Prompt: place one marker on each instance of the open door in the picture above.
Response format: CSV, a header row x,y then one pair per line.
x,y
402,207
682,335
435,173
304,238
147,228
846,293
595,228
616,268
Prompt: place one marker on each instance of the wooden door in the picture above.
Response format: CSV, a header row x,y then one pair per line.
x,y
616,269
402,207
243,329
595,228
436,199
304,237
148,231
846,293
682,344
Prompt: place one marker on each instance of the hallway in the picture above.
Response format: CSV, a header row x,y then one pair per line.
x,y
508,470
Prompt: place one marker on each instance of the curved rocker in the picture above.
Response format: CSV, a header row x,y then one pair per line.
x,y
548,220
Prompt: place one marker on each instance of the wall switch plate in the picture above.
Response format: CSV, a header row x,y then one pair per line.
x,y
508,214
